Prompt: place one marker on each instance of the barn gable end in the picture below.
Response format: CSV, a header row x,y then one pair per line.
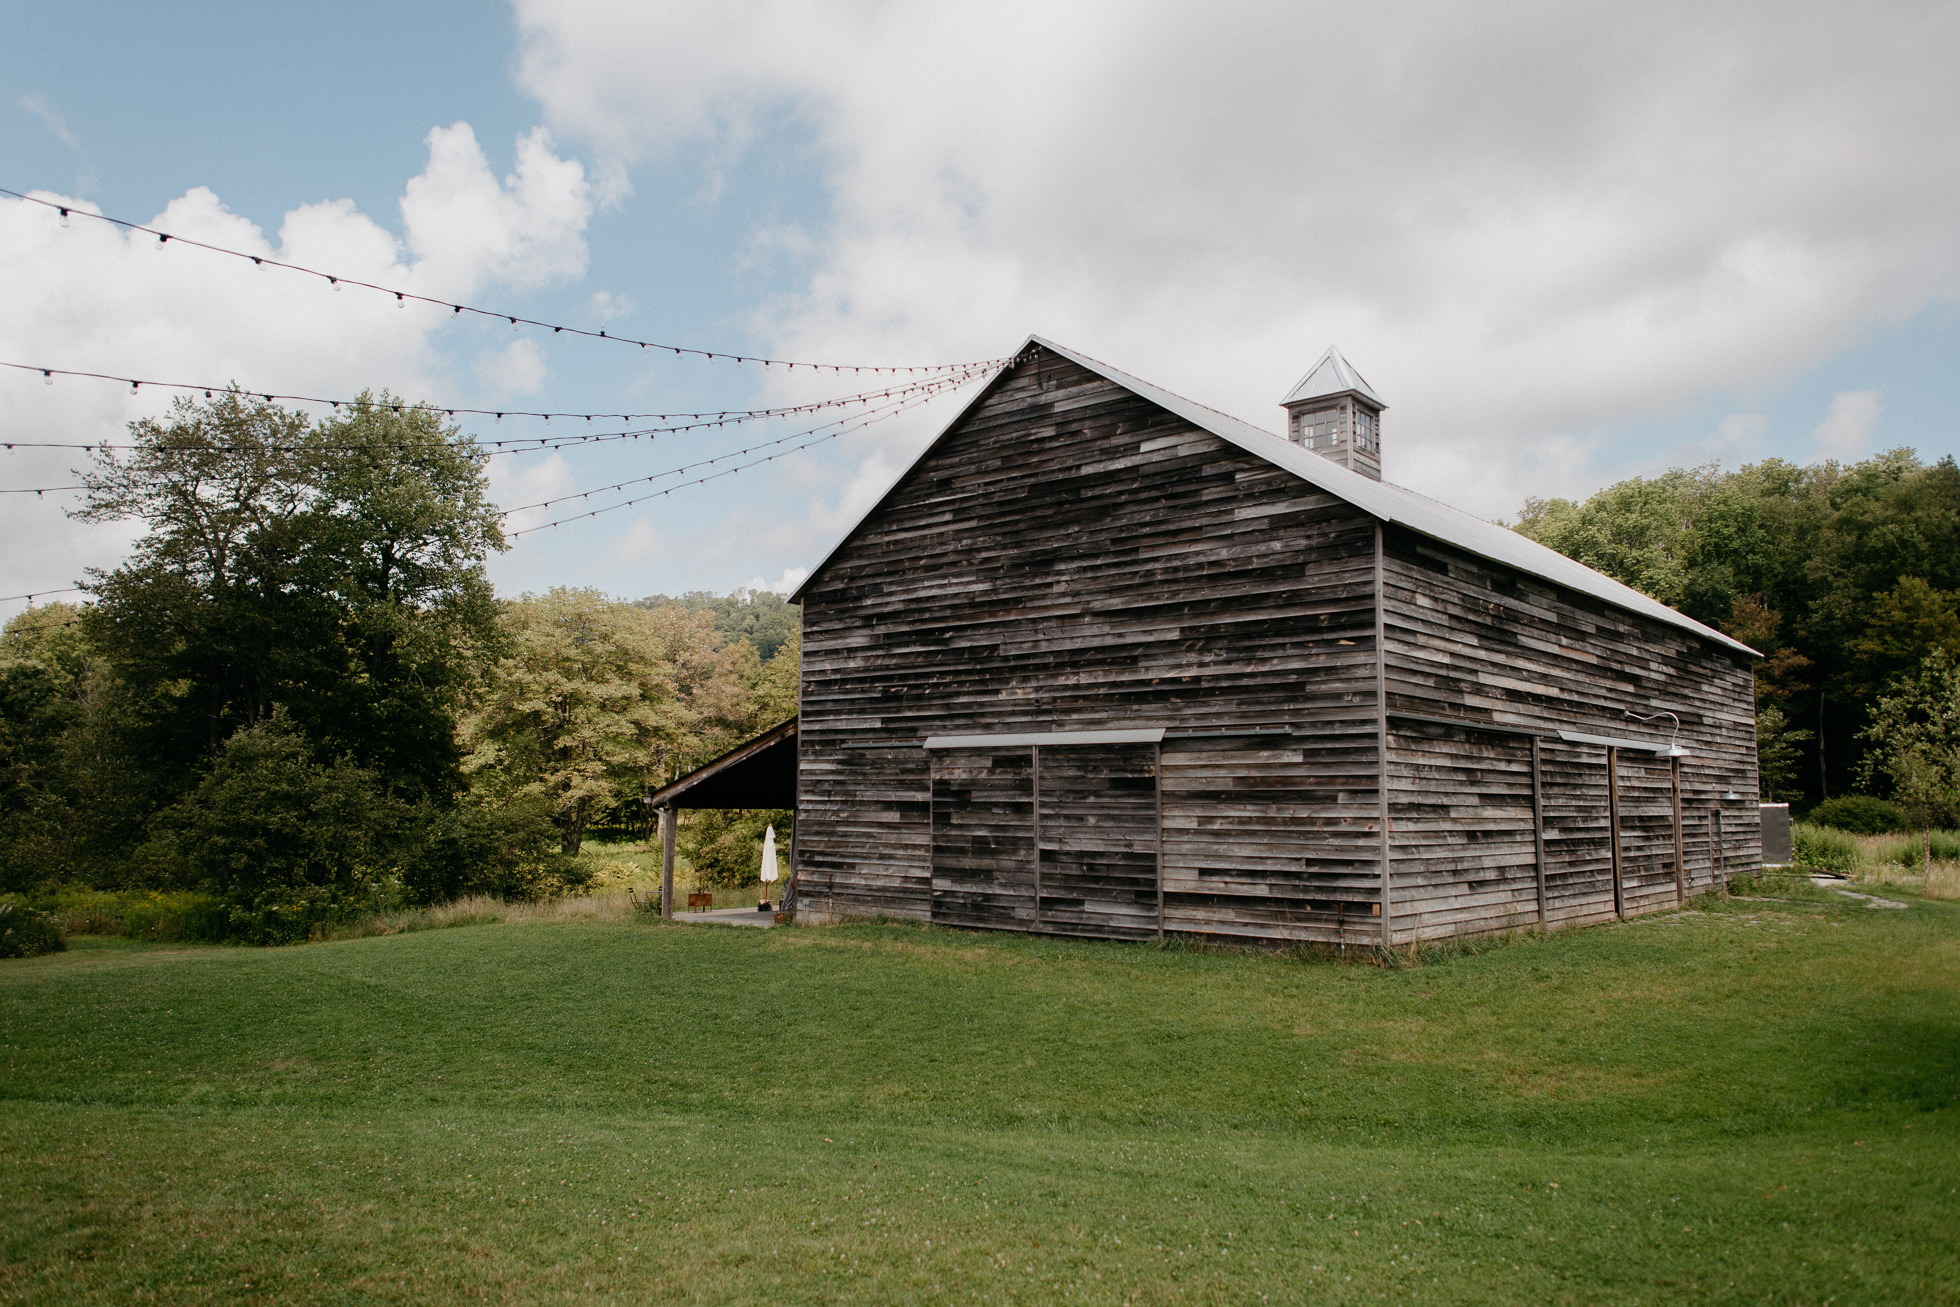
x,y
1071,557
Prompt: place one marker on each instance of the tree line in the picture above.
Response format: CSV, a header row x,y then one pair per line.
x,y
1847,579
300,694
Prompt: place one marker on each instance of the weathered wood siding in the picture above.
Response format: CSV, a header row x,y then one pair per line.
x,y
1468,639
1072,557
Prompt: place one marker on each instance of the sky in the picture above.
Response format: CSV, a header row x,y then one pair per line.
x,y
1567,244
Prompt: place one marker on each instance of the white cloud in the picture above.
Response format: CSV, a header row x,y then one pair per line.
x,y
516,369
609,306
89,297
518,485
1846,432
37,104
465,229
784,584
1524,223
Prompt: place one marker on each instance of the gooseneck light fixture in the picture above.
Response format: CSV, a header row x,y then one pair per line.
x,y
1674,749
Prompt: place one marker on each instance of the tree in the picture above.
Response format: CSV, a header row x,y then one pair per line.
x,y
1915,741
335,570
763,618
577,705
195,620
71,797
1844,576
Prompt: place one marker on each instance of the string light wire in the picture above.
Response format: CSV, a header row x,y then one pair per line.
x,y
966,373
336,281
849,425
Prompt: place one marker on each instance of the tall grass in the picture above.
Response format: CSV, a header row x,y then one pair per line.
x,y
482,910
1884,859
175,916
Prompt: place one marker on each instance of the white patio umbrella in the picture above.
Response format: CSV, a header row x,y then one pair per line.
x,y
768,858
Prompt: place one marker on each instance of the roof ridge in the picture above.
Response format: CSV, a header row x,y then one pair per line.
x,y
1380,499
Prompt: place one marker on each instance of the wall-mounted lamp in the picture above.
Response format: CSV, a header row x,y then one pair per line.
x,y
1732,796
1674,749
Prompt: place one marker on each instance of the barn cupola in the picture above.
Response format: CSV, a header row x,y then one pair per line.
x,y
1337,415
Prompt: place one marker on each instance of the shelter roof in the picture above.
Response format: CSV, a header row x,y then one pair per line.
x,y
1386,502
758,773
1333,375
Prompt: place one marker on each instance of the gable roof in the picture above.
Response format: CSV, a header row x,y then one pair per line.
x,y
1333,375
1388,503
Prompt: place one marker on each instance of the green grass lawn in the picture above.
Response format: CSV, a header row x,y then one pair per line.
x,y
1754,1102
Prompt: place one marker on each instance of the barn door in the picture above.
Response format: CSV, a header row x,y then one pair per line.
x,y
1092,812
1097,830
983,838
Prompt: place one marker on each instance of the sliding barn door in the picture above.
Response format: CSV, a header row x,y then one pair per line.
x,y
1098,819
1060,838
983,838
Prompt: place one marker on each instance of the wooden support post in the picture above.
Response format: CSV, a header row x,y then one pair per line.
x,y
1538,827
1035,751
1157,767
1680,863
1381,733
1613,821
1717,854
667,816
791,892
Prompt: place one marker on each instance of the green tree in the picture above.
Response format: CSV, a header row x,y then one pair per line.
x,y
724,845
577,706
1915,741
763,618
71,796
1842,575
334,570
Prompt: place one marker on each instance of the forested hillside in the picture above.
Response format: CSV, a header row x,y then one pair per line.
x,y
1846,577
300,696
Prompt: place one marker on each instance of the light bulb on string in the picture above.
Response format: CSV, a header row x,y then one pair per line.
x,y
64,217
47,378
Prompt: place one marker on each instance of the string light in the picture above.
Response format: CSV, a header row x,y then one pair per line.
x,y
935,384
897,406
849,425
402,297
42,594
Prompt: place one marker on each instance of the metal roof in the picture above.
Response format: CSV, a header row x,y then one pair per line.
x,y
1333,375
1389,503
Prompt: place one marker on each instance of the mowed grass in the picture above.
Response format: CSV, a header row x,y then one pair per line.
x,y
1753,1102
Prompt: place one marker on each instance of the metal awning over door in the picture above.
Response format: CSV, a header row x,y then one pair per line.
x,y
1058,832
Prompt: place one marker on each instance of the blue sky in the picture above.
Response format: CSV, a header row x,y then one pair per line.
x,y
1567,248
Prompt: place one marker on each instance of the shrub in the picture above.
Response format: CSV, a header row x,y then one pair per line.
x,y
28,933
288,844
1860,814
724,845
507,851
1822,847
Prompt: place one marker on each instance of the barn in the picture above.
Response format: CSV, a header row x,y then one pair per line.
x,y
1107,662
